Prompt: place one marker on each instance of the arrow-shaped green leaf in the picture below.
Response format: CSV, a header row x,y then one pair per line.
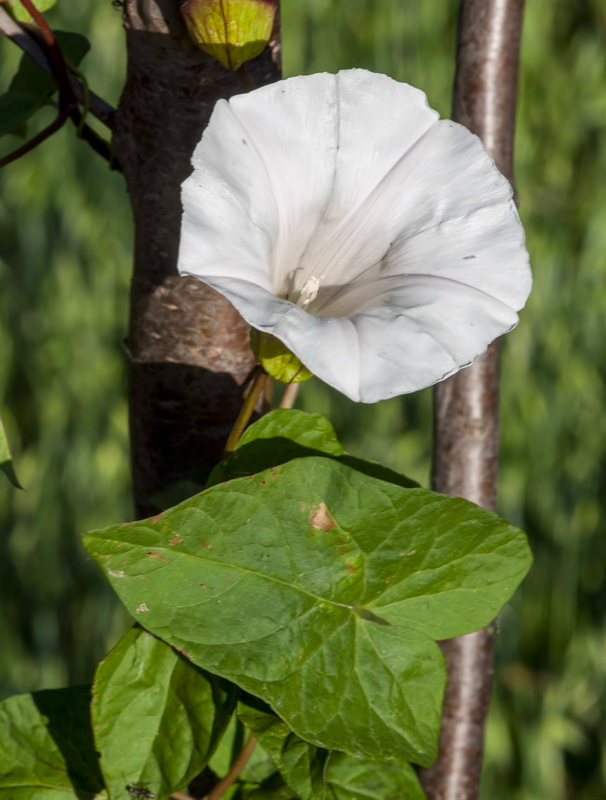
x,y
321,590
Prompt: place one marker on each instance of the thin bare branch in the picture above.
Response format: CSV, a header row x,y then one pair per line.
x,y
23,38
466,440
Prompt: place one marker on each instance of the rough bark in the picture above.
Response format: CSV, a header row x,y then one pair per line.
x,y
466,411
187,347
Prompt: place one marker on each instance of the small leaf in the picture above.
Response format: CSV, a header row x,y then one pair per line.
x,y
31,87
46,747
19,12
15,109
313,431
285,434
157,717
6,461
233,31
33,80
333,629
316,774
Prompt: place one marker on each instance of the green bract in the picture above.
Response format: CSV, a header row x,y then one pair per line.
x,y
233,31
321,590
276,359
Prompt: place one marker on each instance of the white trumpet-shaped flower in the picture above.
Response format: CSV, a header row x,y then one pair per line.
x,y
379,243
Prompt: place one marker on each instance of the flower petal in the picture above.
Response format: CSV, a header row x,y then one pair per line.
x,y
431,327
429,330
293,127
444,193
230,218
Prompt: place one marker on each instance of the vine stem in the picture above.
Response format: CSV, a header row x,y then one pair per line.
x,y
290,395
235,770
256,389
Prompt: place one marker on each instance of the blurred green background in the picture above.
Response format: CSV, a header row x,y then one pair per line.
x,y
66,243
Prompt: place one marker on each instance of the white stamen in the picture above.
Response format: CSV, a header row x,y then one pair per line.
x,y
309,292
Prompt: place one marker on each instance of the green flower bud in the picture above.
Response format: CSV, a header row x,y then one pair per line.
x,y
276,359
233,31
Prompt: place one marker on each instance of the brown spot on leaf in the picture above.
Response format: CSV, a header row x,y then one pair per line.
x,y
351,569
142,607
157,555
176,539
321,519
263,482
157,517
202,585
205,545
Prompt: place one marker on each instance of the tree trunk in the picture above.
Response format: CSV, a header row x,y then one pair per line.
x,y
466,416
187,347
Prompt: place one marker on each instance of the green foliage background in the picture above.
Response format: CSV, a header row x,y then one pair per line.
x,y
64,274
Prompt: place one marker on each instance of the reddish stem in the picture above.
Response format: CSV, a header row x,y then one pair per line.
x,y
40,22
35,141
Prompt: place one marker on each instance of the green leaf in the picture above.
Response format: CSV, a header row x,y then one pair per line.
x,y
6,461
33,80
19,12
157,717
313,431
320,590
233,31
15,109
31,87
46,747
316,774
350,779
273,788
285,434
300,763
